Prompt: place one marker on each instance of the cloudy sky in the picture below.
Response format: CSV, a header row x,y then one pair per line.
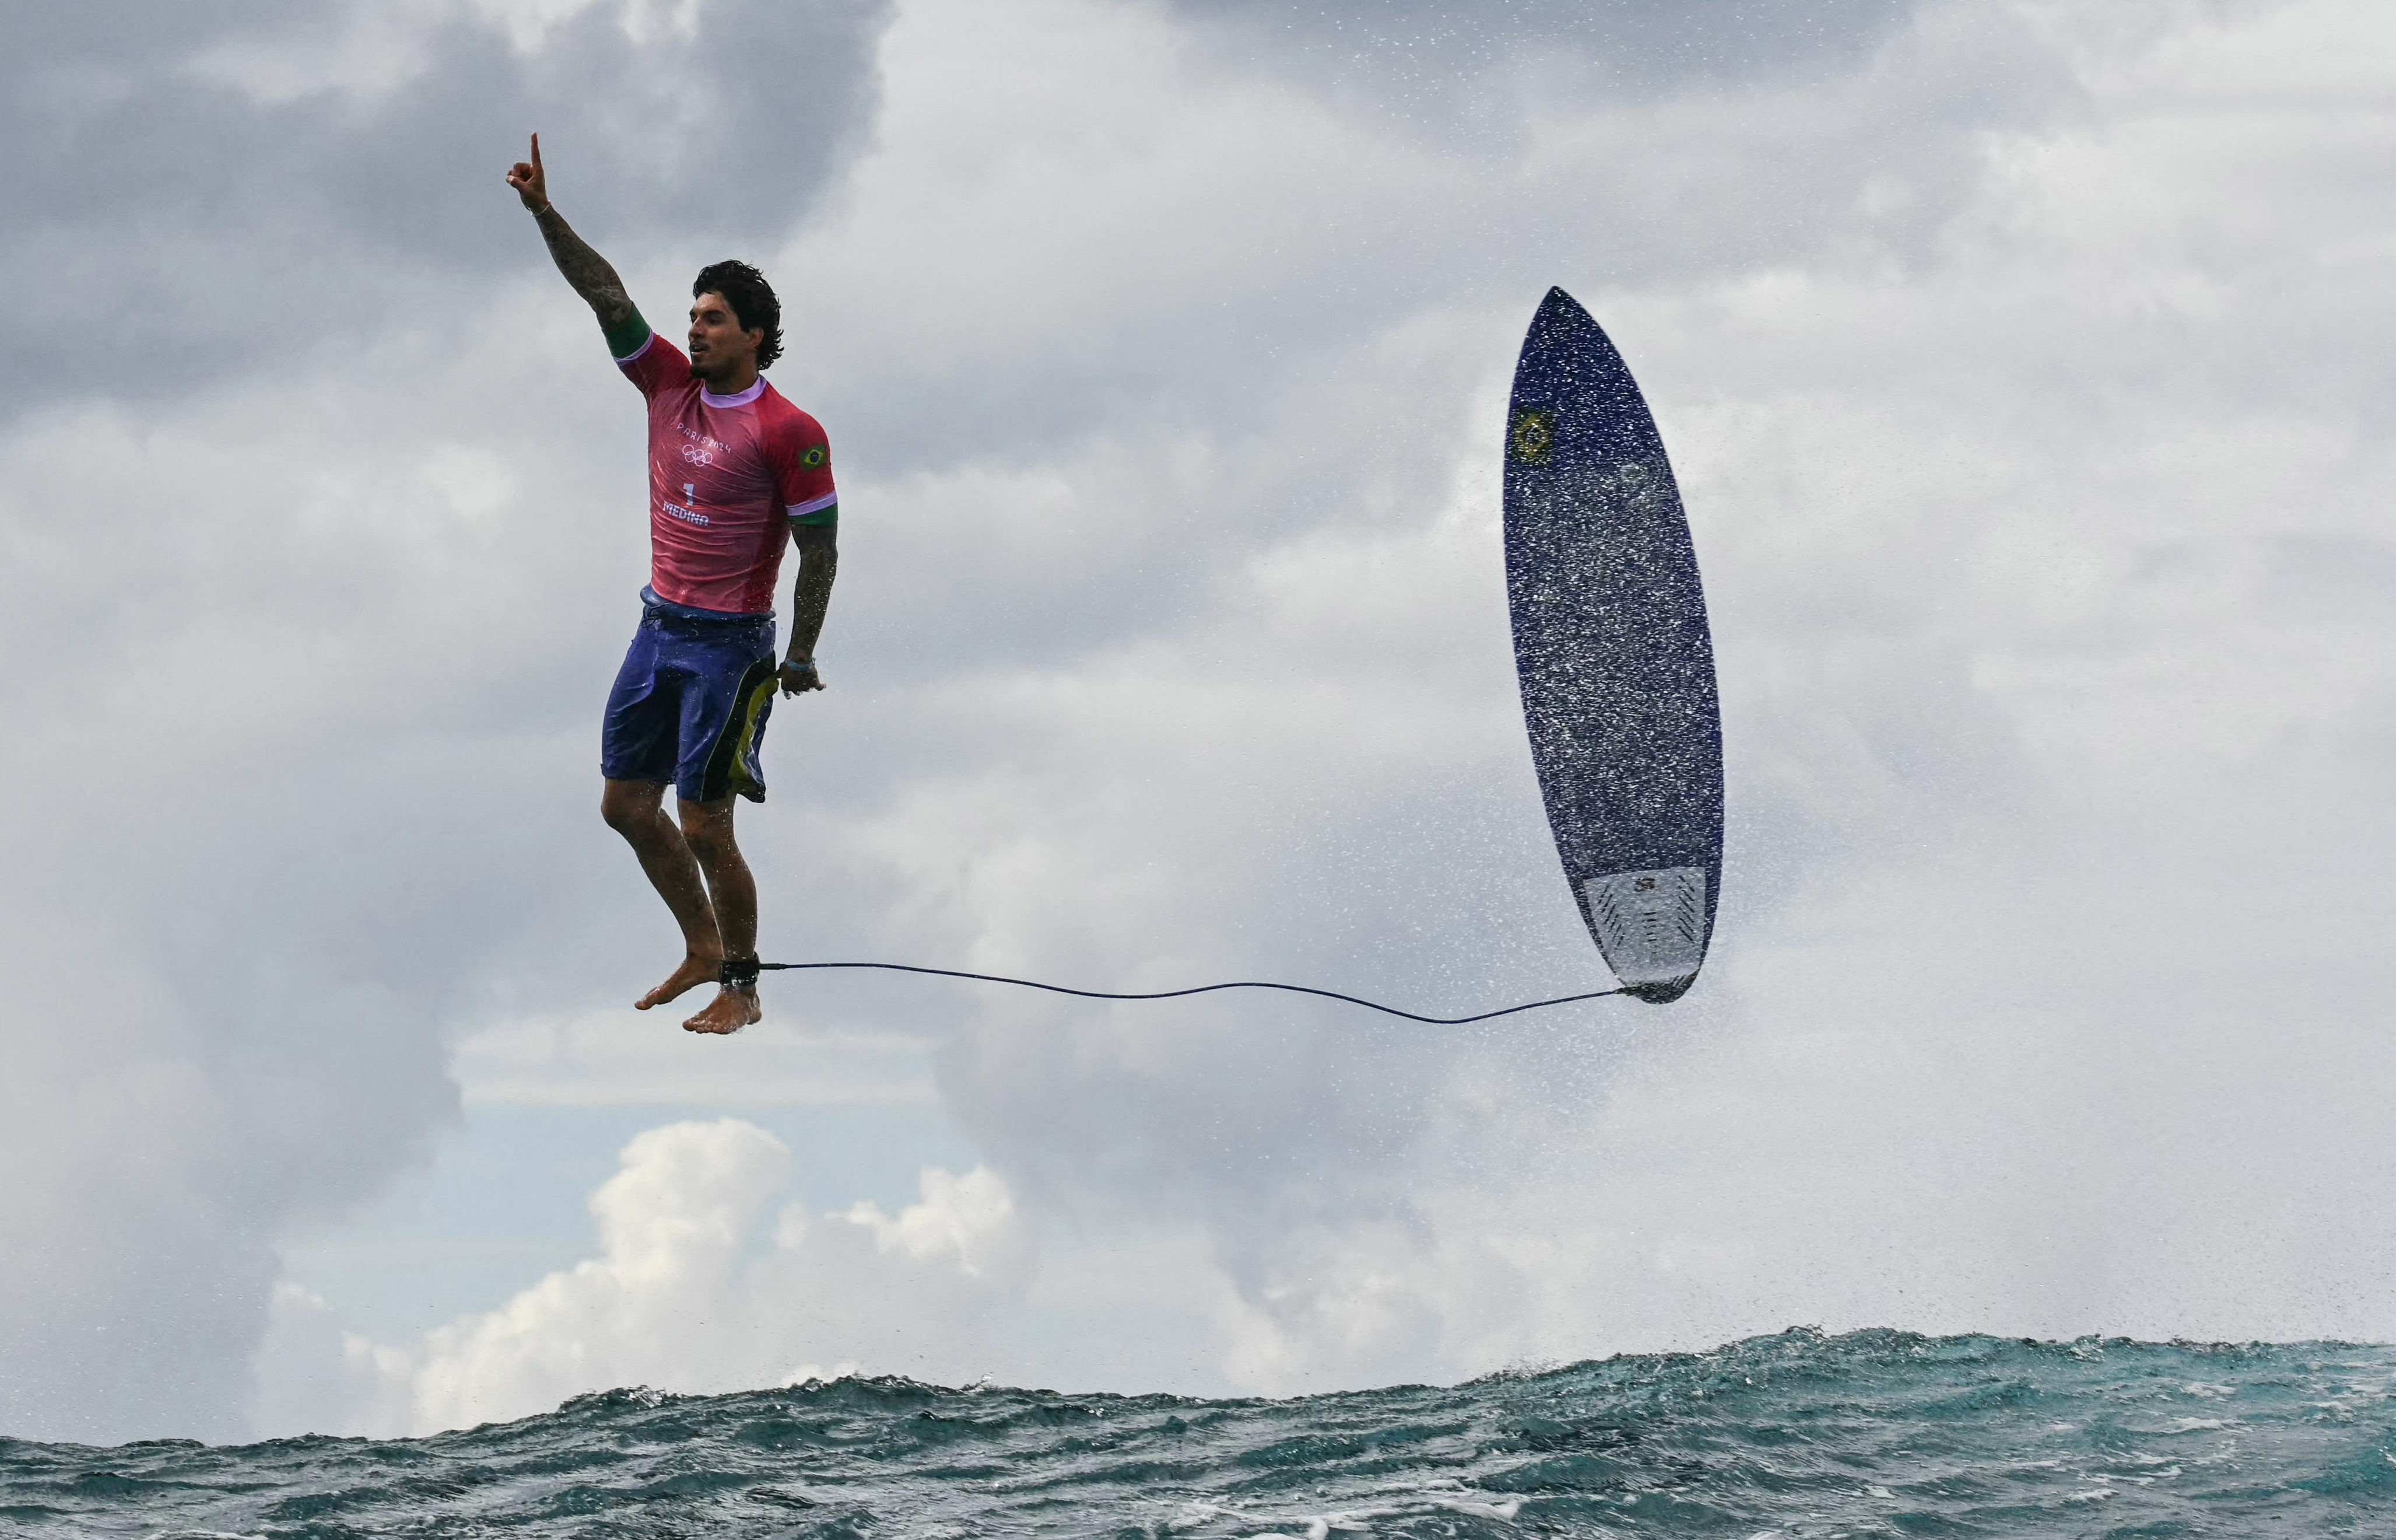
x,y
2028,368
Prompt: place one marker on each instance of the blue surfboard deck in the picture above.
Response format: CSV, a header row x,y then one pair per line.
x,y
1611,649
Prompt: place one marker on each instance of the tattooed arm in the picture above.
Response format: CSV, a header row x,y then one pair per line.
x,y
584,268
819,565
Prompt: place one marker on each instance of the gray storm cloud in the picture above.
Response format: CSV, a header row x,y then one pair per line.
x,y
200,192
1420,52
2020,368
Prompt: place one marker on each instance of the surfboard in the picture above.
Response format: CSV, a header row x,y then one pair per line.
x,y
1612,654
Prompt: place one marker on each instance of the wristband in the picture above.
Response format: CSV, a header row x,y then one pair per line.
x,y
806,663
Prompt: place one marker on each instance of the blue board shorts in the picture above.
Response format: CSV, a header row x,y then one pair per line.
x,y
690,702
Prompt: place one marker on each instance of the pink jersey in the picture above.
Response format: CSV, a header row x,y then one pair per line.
x,y
727,475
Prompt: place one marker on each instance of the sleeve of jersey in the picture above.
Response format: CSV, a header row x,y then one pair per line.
x,y
652,360
803,466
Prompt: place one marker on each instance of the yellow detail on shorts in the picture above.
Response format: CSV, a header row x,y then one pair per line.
x,y
744,737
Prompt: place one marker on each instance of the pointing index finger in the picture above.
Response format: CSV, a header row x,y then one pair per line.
x,y
535,152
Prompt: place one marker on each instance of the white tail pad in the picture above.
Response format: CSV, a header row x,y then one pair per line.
x,y
1650,925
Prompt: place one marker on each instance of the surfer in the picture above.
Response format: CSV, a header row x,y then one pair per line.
x,y
732,466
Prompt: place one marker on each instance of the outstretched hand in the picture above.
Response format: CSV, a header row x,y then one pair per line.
x,y
527,179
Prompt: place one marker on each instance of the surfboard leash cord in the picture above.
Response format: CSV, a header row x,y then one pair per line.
x,y
743,973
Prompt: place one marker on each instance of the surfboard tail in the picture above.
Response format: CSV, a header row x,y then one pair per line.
x,y
1650,926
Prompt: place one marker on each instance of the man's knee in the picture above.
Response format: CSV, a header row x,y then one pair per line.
x,y
628,807
708,827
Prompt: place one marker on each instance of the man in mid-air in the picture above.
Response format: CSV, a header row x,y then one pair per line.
x,y
732,467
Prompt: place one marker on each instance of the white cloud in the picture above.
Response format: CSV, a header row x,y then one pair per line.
x,y
702,1282
315,1377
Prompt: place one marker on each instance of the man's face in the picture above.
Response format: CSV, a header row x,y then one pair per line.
x,y
719,349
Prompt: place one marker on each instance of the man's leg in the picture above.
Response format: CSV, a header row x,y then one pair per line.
x,y
636,810
707,829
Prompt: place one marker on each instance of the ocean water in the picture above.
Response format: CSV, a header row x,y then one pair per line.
x,y
1874,1433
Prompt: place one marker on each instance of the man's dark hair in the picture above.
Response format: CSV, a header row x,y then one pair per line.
x,y
752,298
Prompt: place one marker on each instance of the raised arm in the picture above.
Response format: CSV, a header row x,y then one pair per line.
x,y
584,268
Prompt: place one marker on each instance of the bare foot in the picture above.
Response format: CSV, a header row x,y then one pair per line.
x,y
695,970
729,1012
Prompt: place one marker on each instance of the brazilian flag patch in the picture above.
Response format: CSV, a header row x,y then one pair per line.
x,y
813,458
1531,437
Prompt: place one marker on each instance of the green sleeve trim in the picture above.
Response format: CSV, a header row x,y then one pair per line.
x,y
624,338
823,518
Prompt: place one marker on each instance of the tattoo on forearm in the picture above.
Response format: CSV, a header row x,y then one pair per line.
x,y
589,272
811,596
